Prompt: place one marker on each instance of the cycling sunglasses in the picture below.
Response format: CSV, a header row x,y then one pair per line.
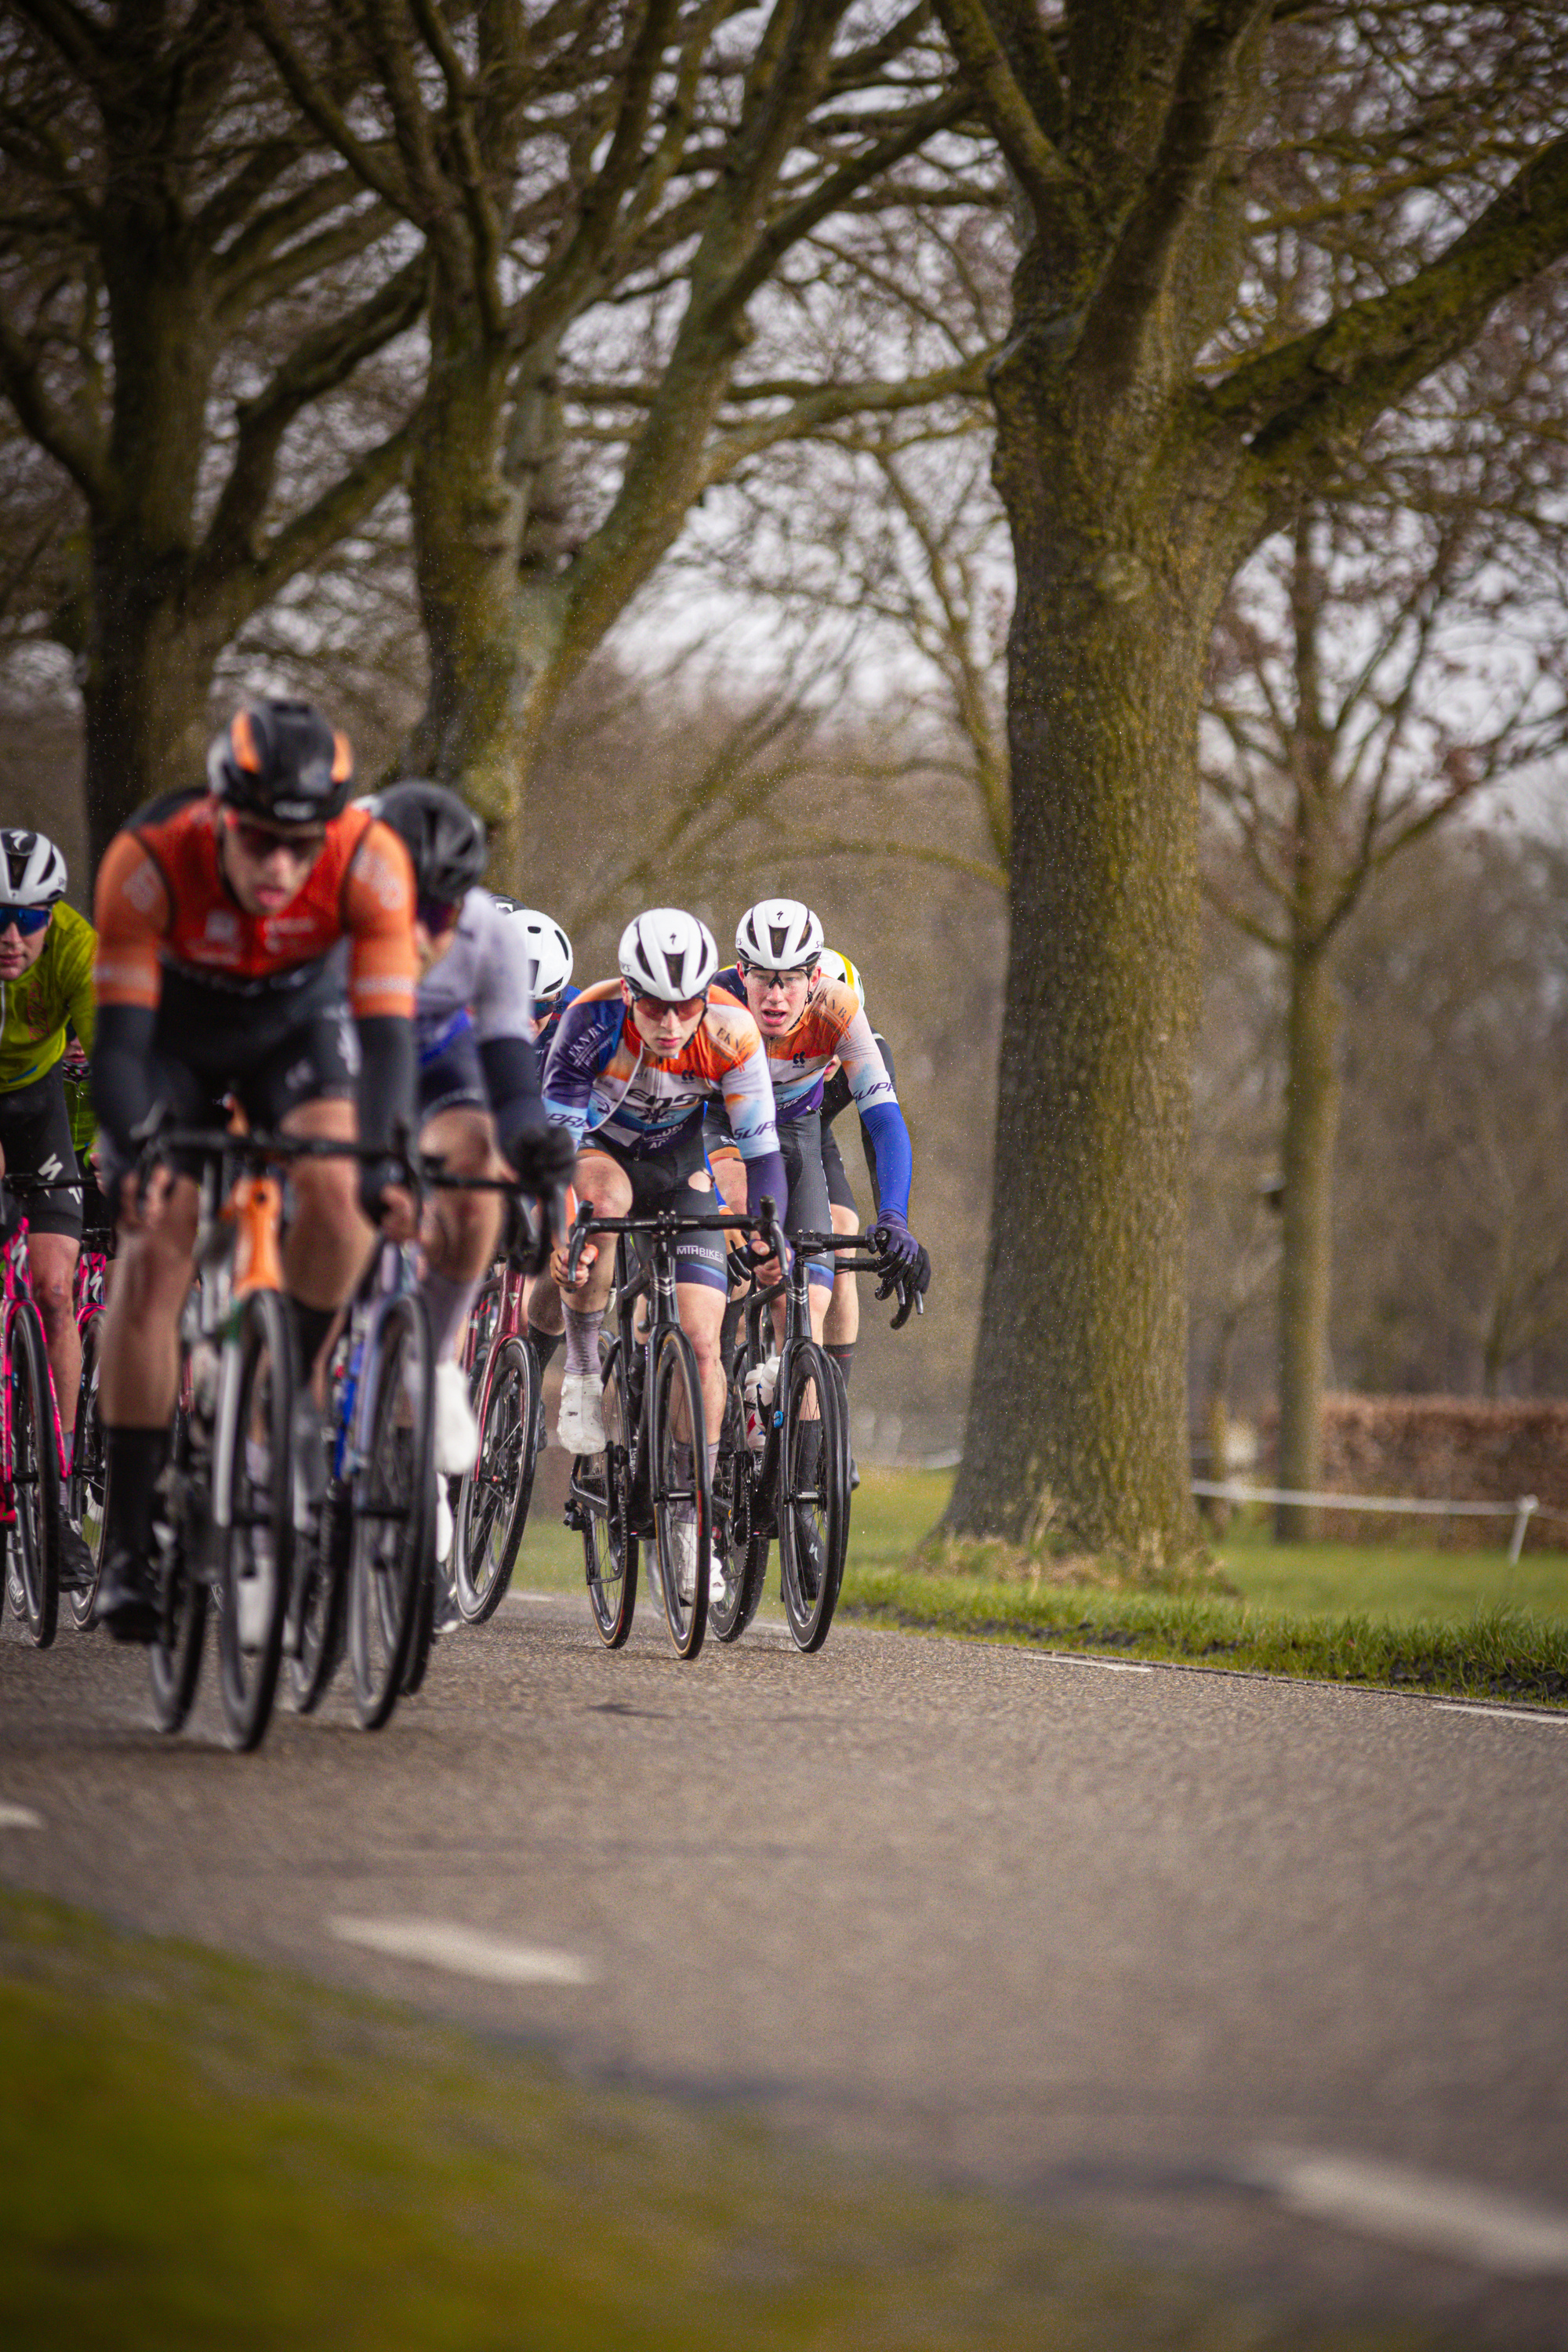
x,y
29,921
683,1007
259,841
771,971
439,915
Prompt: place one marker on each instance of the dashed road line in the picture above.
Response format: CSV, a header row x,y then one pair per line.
x,y
1516,2237
19,1817
463,1951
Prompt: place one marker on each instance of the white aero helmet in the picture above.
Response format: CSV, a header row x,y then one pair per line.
x,y
668,953
838,967
548,950
779,935
35,872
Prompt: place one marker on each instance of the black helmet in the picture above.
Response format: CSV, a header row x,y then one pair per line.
x,y
281,760
443,836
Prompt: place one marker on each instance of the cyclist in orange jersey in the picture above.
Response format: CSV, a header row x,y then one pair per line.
x,y
221,914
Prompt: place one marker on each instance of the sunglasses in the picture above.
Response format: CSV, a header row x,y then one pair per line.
x,y
439,915
259,841
683,1007
768,973
29,921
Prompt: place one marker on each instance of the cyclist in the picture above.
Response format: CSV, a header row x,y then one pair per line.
x,y
842,1329
549,954
632,1067
479,1076
46,985
812,1025
218,910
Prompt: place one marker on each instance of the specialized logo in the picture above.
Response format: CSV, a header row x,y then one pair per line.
x,y
222,928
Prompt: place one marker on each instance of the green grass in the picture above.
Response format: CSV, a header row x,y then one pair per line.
x,y
1463,1623
197,2152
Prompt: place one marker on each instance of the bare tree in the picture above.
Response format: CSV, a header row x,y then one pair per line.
x,y
1161,410
627,210
185,279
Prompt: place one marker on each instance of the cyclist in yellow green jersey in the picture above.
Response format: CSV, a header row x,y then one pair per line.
x,y
46,981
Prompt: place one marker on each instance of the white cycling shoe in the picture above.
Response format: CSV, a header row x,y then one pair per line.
x,y
683,1537
456,1431
446,1526
580,1423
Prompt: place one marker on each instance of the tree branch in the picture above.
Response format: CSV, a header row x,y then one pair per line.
x,y
1036,162
82,455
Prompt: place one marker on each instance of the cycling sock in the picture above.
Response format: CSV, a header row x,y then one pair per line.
x,y
544,1346
133,1460
312,1324
583,1340
842,1354
448,1302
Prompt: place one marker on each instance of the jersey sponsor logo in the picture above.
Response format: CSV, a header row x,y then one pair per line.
x,y
143,887
382,878
52,1167
222,928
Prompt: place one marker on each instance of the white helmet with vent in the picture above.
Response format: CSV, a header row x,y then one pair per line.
x,y
668,954
549,949
779,935
834,966
35,872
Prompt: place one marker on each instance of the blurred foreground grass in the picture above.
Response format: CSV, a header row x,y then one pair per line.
x,y
1463,1623
197,2152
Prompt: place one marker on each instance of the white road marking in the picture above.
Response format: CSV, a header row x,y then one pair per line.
x,y
1514,2236
1558,1722
464,1951
1105,1665
19,1817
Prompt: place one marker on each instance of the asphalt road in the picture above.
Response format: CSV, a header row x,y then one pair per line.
x,y
1197,1957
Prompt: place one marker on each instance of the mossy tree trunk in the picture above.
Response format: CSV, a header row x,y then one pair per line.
x,y
1139,468
1311,1129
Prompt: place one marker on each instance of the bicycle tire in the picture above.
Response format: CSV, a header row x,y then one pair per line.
x,y
33,1479
600,1494
87,1487
681,1497
257,1542
732,1522
812,1495
320,1600
493,1500
391,1540
174,1656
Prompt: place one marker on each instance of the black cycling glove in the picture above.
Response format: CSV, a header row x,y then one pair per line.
x,y
542,1154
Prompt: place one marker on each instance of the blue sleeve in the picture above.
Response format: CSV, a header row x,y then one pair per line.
x,y
888,1137
578,1052
765,1175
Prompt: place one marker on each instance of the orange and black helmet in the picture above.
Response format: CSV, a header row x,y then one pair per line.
x,y
281,760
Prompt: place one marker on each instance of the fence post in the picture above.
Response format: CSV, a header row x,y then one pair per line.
x,y
1527,1503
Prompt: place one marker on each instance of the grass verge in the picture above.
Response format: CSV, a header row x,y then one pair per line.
x,y
1499,1654
197,2151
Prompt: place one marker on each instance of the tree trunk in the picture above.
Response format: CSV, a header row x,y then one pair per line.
x,y
145,688
1312,1126
1078,1417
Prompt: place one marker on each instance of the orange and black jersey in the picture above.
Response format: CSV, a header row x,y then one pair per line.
x,y
164,911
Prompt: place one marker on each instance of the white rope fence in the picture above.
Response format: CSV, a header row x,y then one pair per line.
x,y
1520,1512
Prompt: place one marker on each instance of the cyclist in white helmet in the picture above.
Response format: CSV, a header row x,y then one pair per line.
x,y
814,1028
633,1063
46,983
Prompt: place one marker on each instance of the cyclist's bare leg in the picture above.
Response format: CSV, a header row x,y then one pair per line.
x,y
51,1267
545,1319
700,1309
140,1368
606,1186
460,1229
842,1328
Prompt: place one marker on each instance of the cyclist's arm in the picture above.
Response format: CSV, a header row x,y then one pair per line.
x,y
890,1156
583,1041
76,981
503,1018
378,918
749,1099
131,913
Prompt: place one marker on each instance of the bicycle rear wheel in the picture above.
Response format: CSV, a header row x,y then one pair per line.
x,y
682,1502
492,1503
174,1658
392,1545
601,1506
813,1494
732,1522
89,1478
33,1480
254,1488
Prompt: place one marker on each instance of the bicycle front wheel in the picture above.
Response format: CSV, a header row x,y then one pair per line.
x,y
493,1500
254,1489
89,1478
682,1502
600,1504
391,1546
33,1481
812,1495
174,1658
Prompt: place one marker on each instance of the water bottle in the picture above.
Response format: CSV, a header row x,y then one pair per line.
x,y
757,1394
